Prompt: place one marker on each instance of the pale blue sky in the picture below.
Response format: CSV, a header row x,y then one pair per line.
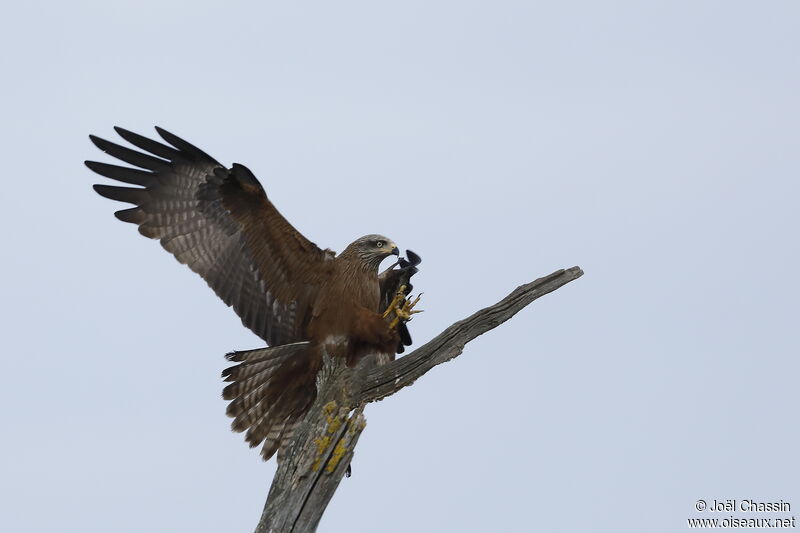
x,y
652,143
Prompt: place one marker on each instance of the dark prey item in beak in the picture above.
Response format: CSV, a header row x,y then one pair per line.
x,y
413,258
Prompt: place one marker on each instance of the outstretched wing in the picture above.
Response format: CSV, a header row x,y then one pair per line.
x,y
221,224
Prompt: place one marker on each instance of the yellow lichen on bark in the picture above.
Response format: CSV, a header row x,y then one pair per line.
x,y
333,423
336,456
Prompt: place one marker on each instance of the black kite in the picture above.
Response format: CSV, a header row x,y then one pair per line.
x,y
300,299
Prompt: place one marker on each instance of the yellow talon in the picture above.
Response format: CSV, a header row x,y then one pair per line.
x,y
405,311
399,296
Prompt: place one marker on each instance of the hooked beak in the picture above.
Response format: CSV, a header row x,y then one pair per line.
x,y
395,250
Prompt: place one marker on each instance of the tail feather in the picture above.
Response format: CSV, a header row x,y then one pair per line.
x,y
270,425
286,437
269,434
271,389
248,408
248,379
246,370
285,410
265,354
255,368
281,433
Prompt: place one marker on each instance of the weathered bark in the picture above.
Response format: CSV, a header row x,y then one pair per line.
x,y
319,454
322,447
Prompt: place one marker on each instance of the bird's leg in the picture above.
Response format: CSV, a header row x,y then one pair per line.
x,y
402,307
399,296
405,311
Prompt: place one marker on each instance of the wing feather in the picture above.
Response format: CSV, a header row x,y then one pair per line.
x,y
148,145
132,176
220,223
129,156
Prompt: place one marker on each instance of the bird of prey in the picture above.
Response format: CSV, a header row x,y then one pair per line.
x,y
303,301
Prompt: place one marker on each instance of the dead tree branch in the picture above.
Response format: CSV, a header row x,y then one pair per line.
x,y
323,444
388,379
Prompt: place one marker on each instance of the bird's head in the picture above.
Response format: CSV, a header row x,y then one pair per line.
x,y
371,249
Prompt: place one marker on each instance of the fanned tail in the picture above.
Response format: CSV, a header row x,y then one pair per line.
x,y
271,389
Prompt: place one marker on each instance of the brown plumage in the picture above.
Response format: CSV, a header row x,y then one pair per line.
x,y
302,300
